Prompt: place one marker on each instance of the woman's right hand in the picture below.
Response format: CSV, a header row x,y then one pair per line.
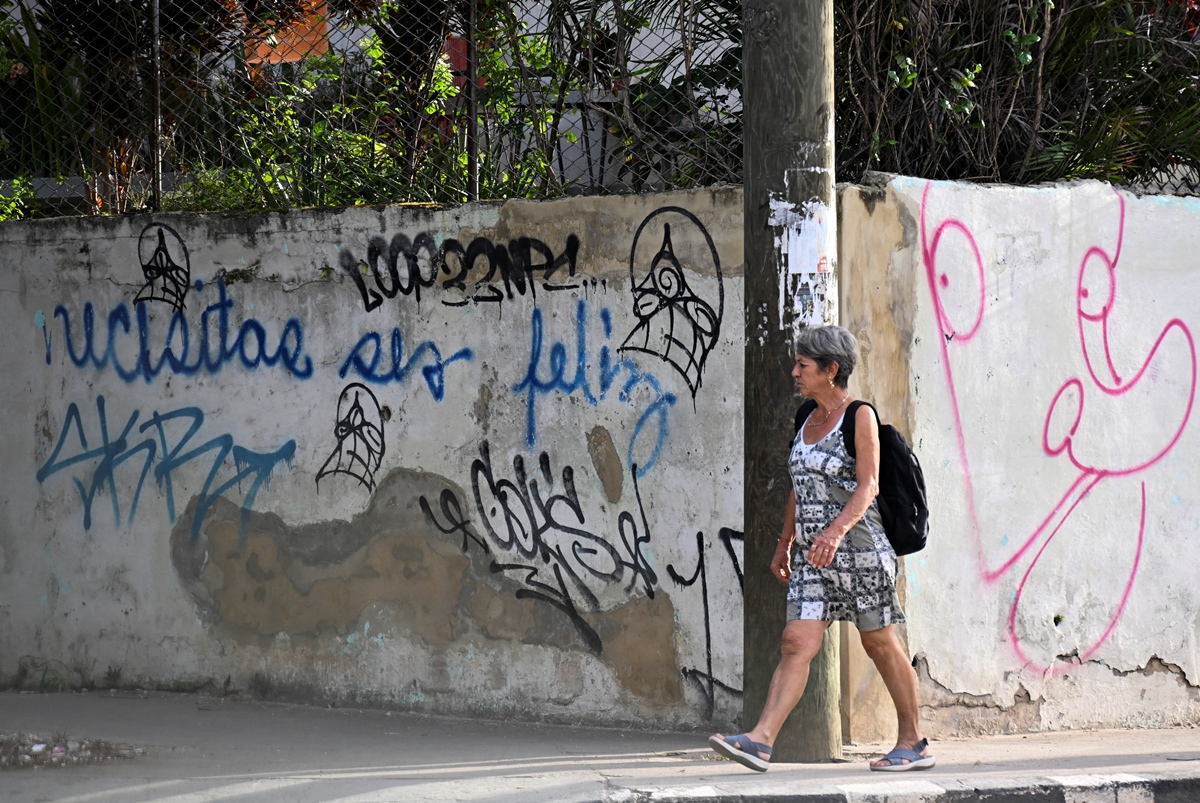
x,y
781,564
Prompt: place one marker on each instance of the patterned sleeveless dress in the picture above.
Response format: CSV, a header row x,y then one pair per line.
x,y
860,585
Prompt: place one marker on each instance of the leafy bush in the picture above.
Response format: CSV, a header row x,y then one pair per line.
x,y
647,92
16,199
1020,92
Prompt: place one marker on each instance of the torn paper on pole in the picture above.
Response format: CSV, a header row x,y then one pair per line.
x,y
806,241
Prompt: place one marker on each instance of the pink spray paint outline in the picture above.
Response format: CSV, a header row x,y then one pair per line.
x,y
1090,476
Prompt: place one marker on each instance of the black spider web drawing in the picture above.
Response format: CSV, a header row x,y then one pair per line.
x,y
359,434
166,280
674,323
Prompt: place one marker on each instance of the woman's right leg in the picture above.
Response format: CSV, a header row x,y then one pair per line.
x,y
801,642
891,659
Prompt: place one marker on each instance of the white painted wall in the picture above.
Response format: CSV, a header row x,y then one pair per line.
x,y
337,590
1052,380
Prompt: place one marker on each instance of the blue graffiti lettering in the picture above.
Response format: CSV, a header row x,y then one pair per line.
x,y
533,385
369,368
539,382
657,415
250,346
254,468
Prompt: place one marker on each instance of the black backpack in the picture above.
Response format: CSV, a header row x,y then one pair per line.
x,y
902,504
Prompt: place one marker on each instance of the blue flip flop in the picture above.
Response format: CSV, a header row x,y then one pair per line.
x,y
743,750
902,759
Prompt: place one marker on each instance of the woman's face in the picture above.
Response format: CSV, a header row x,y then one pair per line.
x,y
809,377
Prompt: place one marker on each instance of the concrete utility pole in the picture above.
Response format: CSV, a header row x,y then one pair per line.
x,y
791,256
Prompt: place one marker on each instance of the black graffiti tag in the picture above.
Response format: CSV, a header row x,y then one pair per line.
x,y
542,536
403,266
166,266
674,322
704,678
359,435
515,264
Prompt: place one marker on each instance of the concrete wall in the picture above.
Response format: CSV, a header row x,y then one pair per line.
x,y
1037,345
484,461
473,493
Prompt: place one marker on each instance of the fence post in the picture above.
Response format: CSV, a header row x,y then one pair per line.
x,y
790,251
156,110
472,108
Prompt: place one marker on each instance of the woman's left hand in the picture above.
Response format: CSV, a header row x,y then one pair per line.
x,y
823,548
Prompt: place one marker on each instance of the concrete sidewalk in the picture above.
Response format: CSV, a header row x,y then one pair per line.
x,y
200,749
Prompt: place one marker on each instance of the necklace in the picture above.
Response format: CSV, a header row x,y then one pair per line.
x,y
815,424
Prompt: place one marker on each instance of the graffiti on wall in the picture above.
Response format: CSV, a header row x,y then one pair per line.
x,y
1062,427
540,536
405,266
146,350
588,567
359,438
673,322
704,678
367,360
94,454
166,266
556,369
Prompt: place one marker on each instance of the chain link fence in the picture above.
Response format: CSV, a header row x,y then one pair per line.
x,y
1023,92
116,105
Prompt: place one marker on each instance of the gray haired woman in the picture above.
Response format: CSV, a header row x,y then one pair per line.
x,y
843,568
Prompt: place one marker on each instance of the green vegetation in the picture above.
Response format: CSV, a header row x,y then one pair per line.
x,y
643,94
1020,92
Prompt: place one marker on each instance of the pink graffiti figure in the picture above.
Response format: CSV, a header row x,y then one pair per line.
x,y
1096,293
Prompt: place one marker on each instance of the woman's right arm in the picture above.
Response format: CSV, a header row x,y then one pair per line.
x,y
781,564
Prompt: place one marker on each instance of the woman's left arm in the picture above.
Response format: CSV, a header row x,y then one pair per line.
x,y
866,450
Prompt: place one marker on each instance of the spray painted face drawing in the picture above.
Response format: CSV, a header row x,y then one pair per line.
x,y
674,323
359,434
166,266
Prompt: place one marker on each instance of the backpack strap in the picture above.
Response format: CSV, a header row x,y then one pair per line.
x,y
809,406
804,412
848,422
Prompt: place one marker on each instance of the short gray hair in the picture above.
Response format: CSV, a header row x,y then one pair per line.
x,y
826,345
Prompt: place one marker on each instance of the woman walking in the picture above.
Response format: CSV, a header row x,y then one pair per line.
x,y
834,557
